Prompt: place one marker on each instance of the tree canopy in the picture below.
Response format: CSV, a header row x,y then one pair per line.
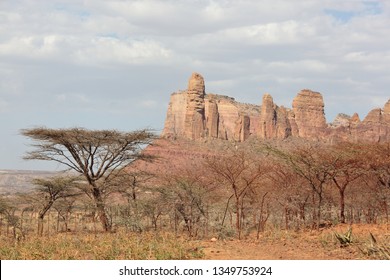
x,y
96,154
89,152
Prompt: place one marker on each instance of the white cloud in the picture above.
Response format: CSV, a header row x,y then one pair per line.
x,y
112,50
130,55
95,51
305,65
33,46
288,32
372,61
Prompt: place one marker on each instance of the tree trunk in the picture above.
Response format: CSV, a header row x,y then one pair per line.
x,y
342,206
262,220
238,219
40,225
41,216
58,222
319,211
101,210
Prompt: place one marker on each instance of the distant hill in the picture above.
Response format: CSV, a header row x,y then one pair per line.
x,y
18,181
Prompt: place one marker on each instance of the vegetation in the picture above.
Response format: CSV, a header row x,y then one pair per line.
x,y
48,191
344,239
233,191
376,250
96,155
86,246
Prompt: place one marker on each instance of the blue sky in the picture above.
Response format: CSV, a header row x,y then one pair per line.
x,y
364,9
113,64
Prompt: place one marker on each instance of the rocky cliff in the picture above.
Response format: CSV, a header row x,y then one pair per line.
x,y
193,114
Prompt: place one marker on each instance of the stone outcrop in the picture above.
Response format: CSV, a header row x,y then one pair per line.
x,y
342,120
193,114
174,122
375,127
194,120
274,121
268,118
308,107
212,118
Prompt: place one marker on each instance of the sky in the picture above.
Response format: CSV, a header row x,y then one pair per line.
x,y
102,64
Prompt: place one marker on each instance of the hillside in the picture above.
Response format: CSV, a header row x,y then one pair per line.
x,y
17,181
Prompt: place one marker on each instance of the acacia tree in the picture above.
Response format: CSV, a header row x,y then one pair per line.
x,y
188,196
292,193
96,154
185,193
129,182
64,209
240,172
48,191
377,157
8,209
345,168
310,162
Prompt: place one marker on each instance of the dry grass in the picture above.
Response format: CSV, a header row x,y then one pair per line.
x,y
273,244
101,246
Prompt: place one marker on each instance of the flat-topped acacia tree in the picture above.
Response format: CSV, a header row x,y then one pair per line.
x,y
47,192
96,154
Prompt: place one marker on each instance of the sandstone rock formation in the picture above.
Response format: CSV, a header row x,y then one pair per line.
x,y
193,114
274,122
342,120
308,107
194,121
268,118
174,122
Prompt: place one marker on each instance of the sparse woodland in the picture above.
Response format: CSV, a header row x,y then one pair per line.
x,y
238,191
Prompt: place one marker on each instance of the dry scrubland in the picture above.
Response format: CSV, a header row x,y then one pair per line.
x,y
100,246
256,199
272,244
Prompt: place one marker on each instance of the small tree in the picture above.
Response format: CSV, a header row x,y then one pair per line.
x,y
96,154
292,193
378,158
130,182
64,209
345,168
187,198
240,172
8,209
48,191
310,162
